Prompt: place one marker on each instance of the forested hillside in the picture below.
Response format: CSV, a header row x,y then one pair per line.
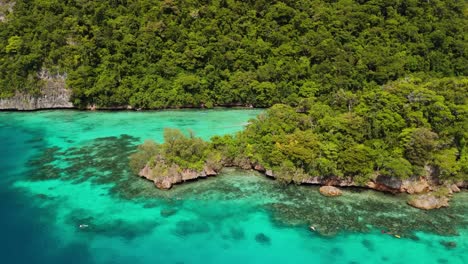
x,y
173,53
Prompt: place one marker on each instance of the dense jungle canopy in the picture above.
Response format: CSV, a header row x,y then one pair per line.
x,y
174,53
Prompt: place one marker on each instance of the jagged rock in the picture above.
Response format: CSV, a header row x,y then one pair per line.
x,y
454,188
94,107
333,181
330,191
209,171
245,166
269,173
188,174
449,189
462,184
166,184
54,94
338,181
6,7
165,176
312,180
259,167
428,201
415,186
146,172
381,187
421,186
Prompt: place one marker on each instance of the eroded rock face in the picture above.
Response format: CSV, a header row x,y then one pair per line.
x,y
54,94
5,8
209,171
454,188
173,175
188,174
415,186
269,173
462,184
332,181
259,167
330,191
386,184
428,202
146,172
166,184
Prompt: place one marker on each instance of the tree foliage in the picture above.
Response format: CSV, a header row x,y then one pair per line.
x,y
173,53
379,136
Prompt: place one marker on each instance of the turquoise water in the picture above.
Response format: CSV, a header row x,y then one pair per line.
x,y
60,169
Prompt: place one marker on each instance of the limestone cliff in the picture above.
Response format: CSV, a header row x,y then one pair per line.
x,y
6,7
166,176
54,94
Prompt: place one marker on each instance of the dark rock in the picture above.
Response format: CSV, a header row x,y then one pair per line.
x,y
390,182
462,184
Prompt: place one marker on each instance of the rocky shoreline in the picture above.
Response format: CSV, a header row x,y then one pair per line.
x,y
55,95
427,192
174,175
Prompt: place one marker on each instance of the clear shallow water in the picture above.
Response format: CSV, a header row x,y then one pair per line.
x,y
60,169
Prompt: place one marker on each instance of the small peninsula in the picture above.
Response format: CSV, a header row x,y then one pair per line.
x,y
406,137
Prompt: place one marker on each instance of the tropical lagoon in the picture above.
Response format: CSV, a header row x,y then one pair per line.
x,y
68,196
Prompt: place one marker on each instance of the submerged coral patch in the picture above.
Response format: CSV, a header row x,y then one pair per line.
x,y
110,227
103,161
262,239
368,244
167,212
236,233
190,227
